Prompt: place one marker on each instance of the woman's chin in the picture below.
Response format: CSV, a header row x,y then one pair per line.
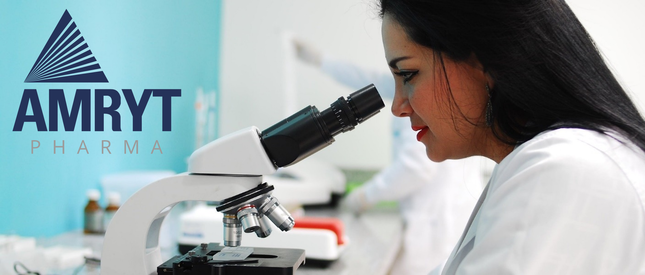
x,y
433,156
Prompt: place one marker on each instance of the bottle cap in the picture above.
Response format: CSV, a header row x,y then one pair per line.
x,y
93,194
114,198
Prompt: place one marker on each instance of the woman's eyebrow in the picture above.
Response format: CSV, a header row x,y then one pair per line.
x,y
393,62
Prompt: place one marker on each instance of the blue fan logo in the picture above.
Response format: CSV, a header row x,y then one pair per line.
x,y
66,57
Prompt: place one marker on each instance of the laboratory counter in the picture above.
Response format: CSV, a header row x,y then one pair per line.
x,y
374,242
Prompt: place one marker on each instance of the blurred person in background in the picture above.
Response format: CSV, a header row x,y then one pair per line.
x,y
435,199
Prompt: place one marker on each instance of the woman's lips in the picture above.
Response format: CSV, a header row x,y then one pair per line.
x,y
421,133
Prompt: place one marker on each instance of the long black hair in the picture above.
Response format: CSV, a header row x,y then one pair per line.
x,y
546,68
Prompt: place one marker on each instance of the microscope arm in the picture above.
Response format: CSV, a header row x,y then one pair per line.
x,y
131,244
132,237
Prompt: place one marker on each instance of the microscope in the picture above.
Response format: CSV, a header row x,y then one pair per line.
x,y
228,172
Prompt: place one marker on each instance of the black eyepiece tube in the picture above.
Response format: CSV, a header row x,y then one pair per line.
x,y
309,130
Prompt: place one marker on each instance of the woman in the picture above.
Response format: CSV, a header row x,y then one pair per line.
x,y
434,199
521,83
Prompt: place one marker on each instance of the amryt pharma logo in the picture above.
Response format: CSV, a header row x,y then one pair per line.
x,y
66,58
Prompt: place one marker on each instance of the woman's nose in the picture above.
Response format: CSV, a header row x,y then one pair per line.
x,y
401,106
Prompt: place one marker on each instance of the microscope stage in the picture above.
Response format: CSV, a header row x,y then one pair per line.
x,y
269,261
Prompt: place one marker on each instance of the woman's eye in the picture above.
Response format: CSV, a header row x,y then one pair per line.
x,y
407,75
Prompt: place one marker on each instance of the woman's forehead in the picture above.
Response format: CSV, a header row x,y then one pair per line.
x,y
397,43
395,40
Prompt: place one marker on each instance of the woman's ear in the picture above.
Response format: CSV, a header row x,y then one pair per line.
x,y
489,80
474,62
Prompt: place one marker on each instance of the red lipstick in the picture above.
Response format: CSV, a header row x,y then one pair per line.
x,y
421,133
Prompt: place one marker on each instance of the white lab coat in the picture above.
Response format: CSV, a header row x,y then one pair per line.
x,y
569,201
435,199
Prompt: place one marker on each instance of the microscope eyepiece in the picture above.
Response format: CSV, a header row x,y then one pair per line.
x,y
309,130
365,103
343,114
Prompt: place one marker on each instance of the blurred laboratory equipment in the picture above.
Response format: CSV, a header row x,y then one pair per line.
x,y
22,255
290,95
310,182
93,213
114,201
205,117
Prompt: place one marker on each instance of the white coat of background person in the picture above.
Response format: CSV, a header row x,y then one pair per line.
x,y
435,199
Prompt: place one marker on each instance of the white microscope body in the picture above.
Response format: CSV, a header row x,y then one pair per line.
x,y
221,169
228,171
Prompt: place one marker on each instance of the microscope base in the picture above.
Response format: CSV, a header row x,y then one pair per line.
x,y
269,261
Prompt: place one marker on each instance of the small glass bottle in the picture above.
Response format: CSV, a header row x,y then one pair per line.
x,y
114,201
93,218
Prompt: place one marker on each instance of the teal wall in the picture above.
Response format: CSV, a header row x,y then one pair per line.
x,y
139,45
